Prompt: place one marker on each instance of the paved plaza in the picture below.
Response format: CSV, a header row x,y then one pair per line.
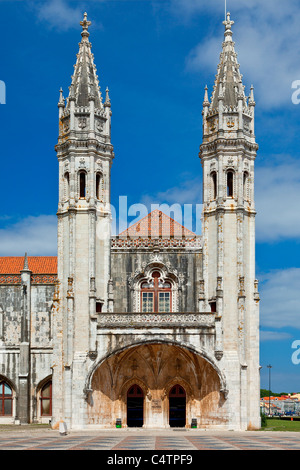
x,y
184,441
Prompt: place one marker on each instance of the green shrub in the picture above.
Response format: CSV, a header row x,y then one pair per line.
x,y
263,420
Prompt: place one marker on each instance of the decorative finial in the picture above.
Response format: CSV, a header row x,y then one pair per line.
x,y
228,23
107,99
25,267
85,26
228,33
251,97
61,102
206,100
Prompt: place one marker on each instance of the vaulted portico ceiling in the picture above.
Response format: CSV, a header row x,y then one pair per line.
x,y
156,225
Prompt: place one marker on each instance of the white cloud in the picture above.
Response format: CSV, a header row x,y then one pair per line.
x,y
277,200
266,34
274,336
34,235
59,14
280,299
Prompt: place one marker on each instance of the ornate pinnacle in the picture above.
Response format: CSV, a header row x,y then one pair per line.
x,y
25,267
61,103
107,99
85,26
206,100
251,97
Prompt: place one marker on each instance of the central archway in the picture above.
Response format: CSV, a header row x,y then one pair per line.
x,y
144,384
177,407
135,407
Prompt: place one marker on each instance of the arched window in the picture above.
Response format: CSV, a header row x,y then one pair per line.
x,y
99,187
6,399
82,184
214,184
230,175
156,295
46,399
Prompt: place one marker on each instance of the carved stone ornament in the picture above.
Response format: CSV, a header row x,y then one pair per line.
x,y
218,355
100,125
99,165
82,123
82,163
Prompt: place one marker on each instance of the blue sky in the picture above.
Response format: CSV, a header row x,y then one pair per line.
x,y
156,58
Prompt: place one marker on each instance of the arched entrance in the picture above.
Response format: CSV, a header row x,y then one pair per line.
x,y
135,407
136,385
177,407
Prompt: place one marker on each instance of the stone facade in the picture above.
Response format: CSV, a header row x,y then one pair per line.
x,y
171,320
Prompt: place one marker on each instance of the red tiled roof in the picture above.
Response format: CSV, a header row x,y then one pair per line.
x,y
157,224
36,264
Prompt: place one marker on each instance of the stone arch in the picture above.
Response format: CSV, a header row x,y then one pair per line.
x,y
134,380
180,381
11,383
210,359
155,366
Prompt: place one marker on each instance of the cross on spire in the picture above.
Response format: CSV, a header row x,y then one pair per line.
x,y
228,23
85,26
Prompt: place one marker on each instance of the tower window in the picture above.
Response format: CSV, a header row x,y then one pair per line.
x,y
82,184
99,186
230,184
214,184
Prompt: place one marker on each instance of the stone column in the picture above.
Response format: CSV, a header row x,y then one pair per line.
x,y
24,365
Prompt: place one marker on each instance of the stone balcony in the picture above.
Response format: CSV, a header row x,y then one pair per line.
x,y
157,320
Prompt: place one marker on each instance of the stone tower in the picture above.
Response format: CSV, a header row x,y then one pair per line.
x,y
227,154
85,156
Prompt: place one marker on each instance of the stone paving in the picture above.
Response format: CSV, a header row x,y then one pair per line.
x,y
146,440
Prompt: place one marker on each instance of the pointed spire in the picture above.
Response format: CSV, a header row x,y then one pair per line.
x,y
228,83
85,83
